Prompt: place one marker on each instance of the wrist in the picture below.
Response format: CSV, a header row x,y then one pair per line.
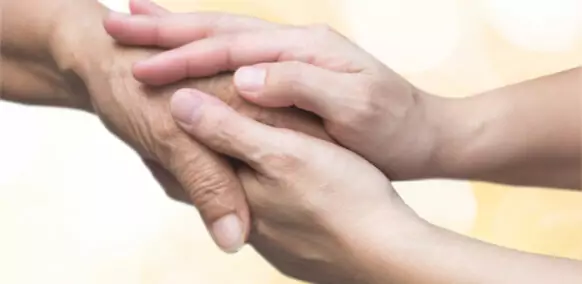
x,y
433,129
374,248
78,45
466,134
30,70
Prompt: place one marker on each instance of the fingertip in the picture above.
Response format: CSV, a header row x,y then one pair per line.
x,y
113,23
140,70
146,72
139,7
250,79
229,233
184,105
161,69
134,6
251,84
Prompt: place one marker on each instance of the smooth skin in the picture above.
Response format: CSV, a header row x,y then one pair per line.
x,y
525,134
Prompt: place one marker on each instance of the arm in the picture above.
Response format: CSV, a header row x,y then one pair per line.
x,y
56,53
427,254
30,71
325,215
524,134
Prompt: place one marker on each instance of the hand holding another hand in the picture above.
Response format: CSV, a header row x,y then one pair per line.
x,y
316,206
366,107
139,115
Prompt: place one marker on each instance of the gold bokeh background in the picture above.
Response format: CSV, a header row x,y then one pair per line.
x,y
69,214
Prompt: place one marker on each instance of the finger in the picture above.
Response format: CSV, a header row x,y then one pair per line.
x,y
223,88
175,30
211,56
308,87
147,7
168,182
219,127
214,189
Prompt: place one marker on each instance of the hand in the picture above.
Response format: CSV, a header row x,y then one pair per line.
x,y
140,116
365,106
313,203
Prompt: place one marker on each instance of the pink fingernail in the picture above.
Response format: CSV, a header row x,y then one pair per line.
x,y
250,79
228,233
185,104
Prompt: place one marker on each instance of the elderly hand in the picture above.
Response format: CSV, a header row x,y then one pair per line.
x,y
314,203
366,107
140,116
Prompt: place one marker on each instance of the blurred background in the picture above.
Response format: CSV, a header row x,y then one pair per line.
x,y
77,206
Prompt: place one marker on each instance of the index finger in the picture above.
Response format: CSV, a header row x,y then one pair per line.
x,y
219,127
213,55
174,30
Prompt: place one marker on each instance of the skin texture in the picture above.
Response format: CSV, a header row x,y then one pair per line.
x,y
321,233
72,63
325,215
366,107
52,56
290,178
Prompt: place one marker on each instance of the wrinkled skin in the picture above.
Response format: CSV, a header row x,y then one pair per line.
x,y
140,116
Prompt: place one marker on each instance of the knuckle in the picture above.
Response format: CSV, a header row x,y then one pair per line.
x,y
170,185
162,136
221,87
322,34
281,162
287,77
321,30
206,185
203,177
314,36
177,195
284,162
364,108
354,116
224,133
167,131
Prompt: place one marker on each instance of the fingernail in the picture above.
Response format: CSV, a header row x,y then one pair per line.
x,y
250,79
185,104
228,233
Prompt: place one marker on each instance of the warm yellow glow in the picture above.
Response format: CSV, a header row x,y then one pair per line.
x,y
70,214
401,32
539,25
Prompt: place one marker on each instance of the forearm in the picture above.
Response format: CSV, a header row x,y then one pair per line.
x,y
30,72
525,134
427,254
50,48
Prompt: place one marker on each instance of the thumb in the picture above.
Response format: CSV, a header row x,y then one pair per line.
x,y
210,183
299,84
